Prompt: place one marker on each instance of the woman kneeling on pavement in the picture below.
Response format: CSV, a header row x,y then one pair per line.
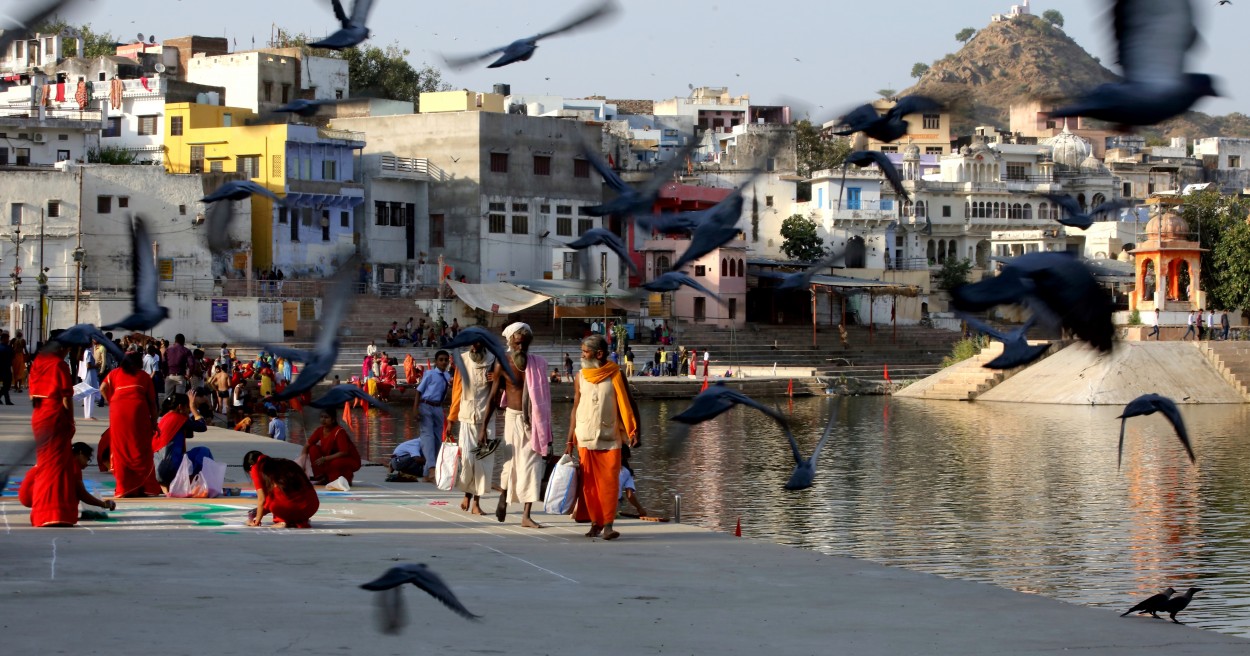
x,y
282,489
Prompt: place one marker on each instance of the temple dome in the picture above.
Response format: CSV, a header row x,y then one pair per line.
x,y
1168,226
911,153
1068,149
1092,166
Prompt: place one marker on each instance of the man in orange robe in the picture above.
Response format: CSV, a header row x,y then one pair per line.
x,y
603,419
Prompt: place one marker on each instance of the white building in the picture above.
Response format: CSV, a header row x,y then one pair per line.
x,y
262,80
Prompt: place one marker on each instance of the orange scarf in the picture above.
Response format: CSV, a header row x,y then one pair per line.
x,y
613,371
453,413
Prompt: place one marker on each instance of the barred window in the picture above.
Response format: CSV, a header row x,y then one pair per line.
x,y
564,226
498,223
542,165
584,226
498,207
520,224
499,162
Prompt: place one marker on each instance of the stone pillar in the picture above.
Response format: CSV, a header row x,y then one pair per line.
x,y
1160,284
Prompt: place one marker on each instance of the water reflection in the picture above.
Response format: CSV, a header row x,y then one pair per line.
x,y
1022,496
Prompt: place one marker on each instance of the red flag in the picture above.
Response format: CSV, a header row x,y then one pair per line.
x,y
447,271
738,529
886,371
704,388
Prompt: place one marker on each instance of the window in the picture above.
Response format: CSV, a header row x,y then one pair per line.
x,y
4,156
113,127
771,164
1234,161
889,149
305,216
584,226
175,126
946,211
437,239
381,213
294,228
499,207
700,270
768,201
932,121
123,202
344,220
497,223
54,209
542,165
62,137
581,168
15,214
499,162
267,90
520,207
1015,172
227,120
249,165
104,204
564,209
887,205
325,225
305,168
564,226
329,170
197,159
283,217
934,150
147,125
338,94
544,209
277,166
286,93
398,218
217,165
182,210
1128,190
62,155
23,156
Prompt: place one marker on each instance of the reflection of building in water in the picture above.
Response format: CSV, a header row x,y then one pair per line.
x,y
1164,526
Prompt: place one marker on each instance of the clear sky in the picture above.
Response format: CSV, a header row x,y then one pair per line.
x,y
830,53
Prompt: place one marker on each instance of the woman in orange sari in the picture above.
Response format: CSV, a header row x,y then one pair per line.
x,y
54,491
19,362
133,416
281,489
330,452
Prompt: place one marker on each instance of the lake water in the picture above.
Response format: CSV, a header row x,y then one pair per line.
x,y
1026,497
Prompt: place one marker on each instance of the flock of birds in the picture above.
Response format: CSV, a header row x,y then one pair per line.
x,y
1154,39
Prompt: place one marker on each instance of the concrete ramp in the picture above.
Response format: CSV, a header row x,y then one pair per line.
x,y
1079,375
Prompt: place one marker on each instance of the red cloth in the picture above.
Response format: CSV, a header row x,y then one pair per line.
x,y
131,432
170,425
323,443
53,488
144,82
60,92
599,485
293,508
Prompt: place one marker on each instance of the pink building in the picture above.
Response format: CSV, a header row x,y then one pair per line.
x,y
723,272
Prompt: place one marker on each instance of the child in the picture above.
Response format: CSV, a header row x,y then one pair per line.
x,y
277,427
627,483
406,464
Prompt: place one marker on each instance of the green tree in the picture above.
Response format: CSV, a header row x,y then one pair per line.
x,y
1220,224
965,35
1053,17
887,92
919,69
94,45
816,150
800,239
954,273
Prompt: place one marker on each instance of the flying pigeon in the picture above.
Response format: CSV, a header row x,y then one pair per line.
x,y
523,49
803,279
352,32
1074,217
489,341
1017,351
863,158
603,237
221,214
1154,38
82,334
321,359
634,201
340,394
890,127
27,22
671,281
391,602
146,313
805,470
1148,404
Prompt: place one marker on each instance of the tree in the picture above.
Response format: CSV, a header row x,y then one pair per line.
x,y
954,273
965,35
1220,224
919,69
800,239
887,93
1053,17
817,151
94,45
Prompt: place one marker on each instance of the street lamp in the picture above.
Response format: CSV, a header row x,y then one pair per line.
x,y
79,254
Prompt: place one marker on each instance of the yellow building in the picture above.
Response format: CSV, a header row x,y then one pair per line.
x,y
930,132
310,168
461,100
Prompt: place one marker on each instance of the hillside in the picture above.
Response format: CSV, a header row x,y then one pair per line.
x,y
1027,58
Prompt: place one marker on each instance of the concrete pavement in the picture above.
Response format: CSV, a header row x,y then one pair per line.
x,y
186,577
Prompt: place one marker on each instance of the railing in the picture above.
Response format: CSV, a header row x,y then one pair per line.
x,y
340,135
27,110
416,166
909,264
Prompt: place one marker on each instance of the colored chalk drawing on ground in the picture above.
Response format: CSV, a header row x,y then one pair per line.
x,y
200,516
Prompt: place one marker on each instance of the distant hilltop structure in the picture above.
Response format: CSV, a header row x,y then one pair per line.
x,y
1016,12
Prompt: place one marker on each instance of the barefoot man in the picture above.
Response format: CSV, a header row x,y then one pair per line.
x,y
470,394
602,420
527,423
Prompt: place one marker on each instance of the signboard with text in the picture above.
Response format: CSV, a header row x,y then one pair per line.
x,y
220,310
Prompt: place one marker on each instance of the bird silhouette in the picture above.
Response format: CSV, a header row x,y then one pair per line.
x,y
631,200
81,335
713,402
145,311
340,394
352,30
670,224
1057,286
305,108
1148,404
1153,38
489,341
523,49
803,279
26,22
221,212
325,352
1152,604
1175,605
804,473
391,602
1073,216
603,237
1017,351
864,158
889,127
671,281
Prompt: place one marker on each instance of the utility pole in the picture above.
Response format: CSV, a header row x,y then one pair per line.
x,y
42,278
79,254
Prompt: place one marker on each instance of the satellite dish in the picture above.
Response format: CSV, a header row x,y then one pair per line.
x,y
140,37
152,39
160,68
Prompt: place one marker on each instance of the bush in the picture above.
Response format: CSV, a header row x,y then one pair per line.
x,y
963,349
111,155
1134,318
954,273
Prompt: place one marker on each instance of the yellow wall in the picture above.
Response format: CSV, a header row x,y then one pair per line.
x,y
460,101
204,125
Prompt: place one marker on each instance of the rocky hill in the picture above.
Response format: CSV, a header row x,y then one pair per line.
x,y
1028,58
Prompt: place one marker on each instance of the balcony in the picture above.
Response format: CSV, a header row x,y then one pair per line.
x,y
409,168
26,115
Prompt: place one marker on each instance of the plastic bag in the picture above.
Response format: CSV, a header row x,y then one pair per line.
x,y
448,470
339,484
83,390
305,462
214,475
562,488
180,487
199,488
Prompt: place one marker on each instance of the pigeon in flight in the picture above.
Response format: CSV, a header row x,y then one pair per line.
x,y
1152,604
523,49
631,201
670,224
1154,38
82,334
489,341
321,359
340,394
603,237
1055,285
221,214
863,158
1175,605
671,281
1074,217
391,602
715,227
305,108
1148,404
803,279
352,31
145,313
1017,351
26,23
805,470
718,399
890,127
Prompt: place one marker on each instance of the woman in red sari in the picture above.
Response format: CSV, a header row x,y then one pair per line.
x,y
54,490
133,416
330,452
282,489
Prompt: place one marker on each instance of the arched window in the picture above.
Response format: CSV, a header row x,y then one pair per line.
x,y
931,251
921,209
907,208
724,268
1043,211
941,254
661,265
1017,211
1028,211
742,271
951,252
998,210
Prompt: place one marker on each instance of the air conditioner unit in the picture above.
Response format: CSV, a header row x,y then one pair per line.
x,y
39,137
